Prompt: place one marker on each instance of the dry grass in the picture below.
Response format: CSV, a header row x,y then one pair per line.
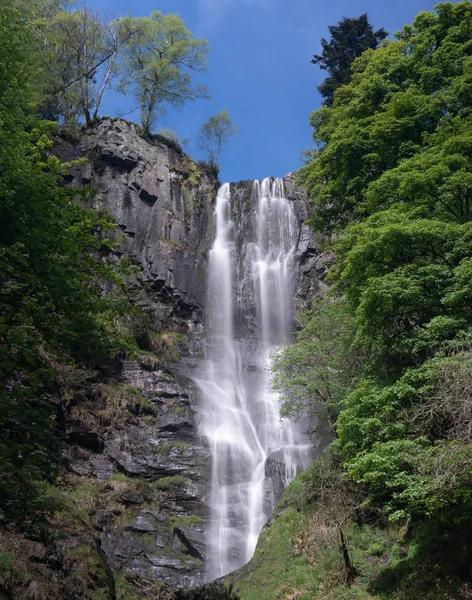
x,y
447,412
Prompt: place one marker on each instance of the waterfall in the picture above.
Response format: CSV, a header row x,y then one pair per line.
x,y
254,453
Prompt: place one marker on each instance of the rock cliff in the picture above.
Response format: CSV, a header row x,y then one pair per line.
x,y
137,464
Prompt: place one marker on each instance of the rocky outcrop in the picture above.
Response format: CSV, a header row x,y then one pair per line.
x,y
163,205
146,470
132,433
312,262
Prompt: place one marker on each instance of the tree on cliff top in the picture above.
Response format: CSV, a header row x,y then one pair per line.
x,y
157,64
215,133
349,39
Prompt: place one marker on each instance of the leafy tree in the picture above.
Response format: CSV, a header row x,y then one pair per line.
x,y
53,269
157,64
350,37
315,372
399,132
215,133
391,176
82,49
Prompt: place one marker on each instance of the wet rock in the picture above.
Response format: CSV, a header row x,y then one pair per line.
x,y
163,561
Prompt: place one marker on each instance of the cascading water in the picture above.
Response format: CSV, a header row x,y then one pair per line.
x,y
254,452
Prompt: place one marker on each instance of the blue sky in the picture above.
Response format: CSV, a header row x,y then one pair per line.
x,y
259,70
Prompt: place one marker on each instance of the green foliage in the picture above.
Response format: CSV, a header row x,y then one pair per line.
x,y
157,62
299,555
81,55
399,131
53,268
391,176
316,371
215,133
350,37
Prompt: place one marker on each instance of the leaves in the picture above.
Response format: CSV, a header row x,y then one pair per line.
x,y
157,63
53,269
215,133
391,175
349,39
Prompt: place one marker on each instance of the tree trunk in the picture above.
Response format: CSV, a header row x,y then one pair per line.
x,y
351,571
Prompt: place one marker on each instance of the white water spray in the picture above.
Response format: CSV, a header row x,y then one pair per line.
x,y
254,452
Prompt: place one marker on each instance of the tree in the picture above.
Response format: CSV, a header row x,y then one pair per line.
x,y
349,39
82,49
399,131
157,63
316,371
215,133
391,176
53,269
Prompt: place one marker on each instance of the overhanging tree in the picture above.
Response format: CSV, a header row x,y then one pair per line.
x,y
52,309
392,177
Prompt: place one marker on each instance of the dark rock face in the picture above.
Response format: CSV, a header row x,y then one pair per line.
x,y
150,465
161,203
150,473
312,263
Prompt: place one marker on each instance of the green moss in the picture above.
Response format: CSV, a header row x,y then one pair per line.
x,y
193,177
184,521
164,344
123,478
186,195
167,448
6,562
165,482
276,571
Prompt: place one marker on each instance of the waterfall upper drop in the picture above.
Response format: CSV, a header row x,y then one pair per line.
x,y
254,453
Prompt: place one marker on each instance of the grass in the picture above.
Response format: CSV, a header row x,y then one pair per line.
x,y
298,556
164,483
164,344
89,573
167,448
184,521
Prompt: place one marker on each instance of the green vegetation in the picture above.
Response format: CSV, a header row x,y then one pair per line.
x,y
299,554
53,268
164,483
80,54
215,133
387,355
184,521
167,448
211,591
157,63
350,38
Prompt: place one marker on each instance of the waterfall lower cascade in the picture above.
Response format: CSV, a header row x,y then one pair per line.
x,y
254,453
